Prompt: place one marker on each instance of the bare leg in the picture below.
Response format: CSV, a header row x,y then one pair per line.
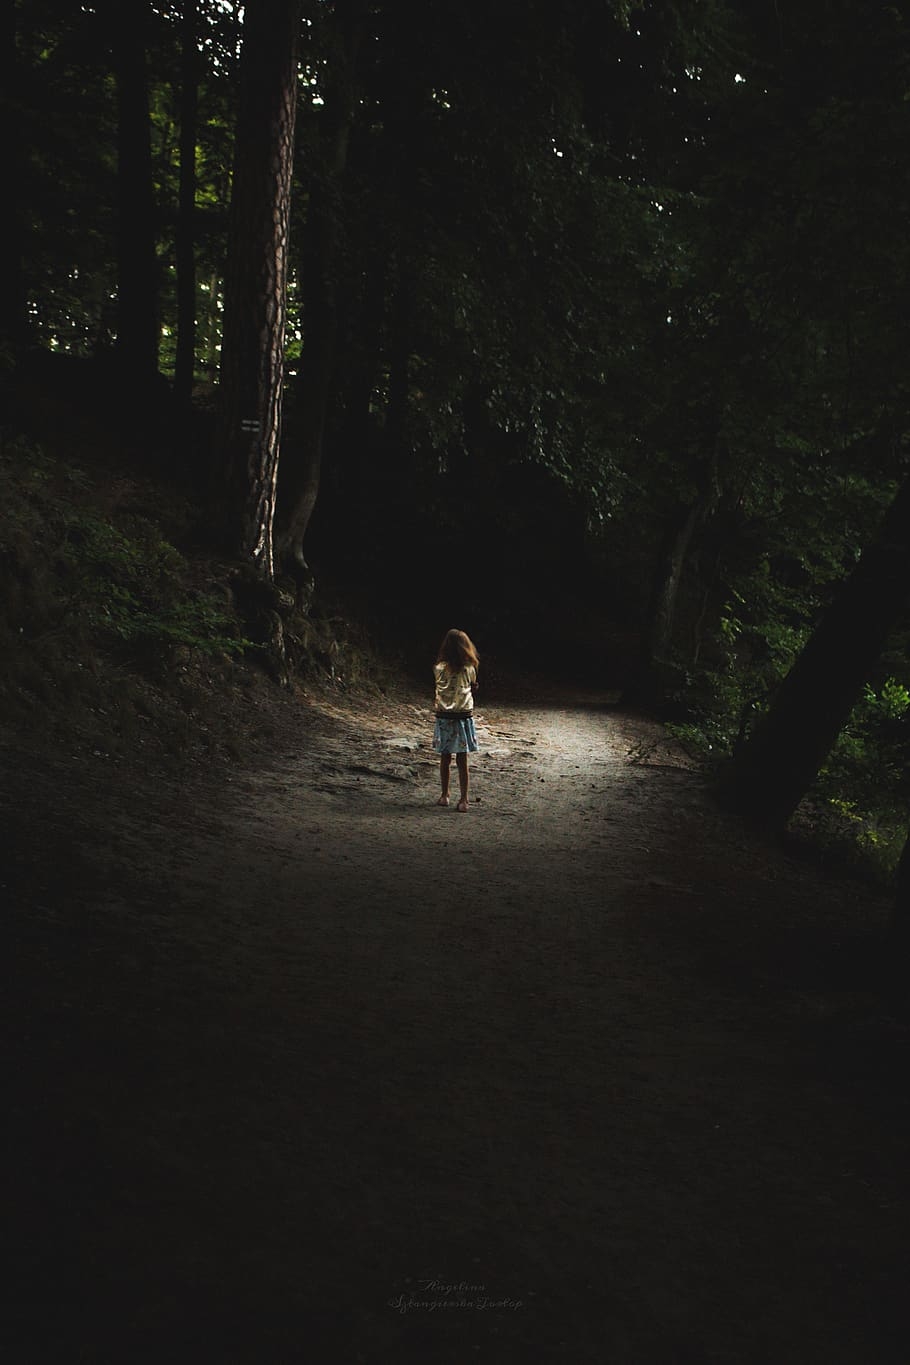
x,y
445,764
461,761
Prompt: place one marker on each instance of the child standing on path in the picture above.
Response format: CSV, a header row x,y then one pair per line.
x,y
455,674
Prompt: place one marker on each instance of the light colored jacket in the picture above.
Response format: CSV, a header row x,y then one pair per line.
x,y
453,690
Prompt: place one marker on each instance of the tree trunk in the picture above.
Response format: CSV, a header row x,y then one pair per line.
x,y
400,342
362,371
185,362
13,316
303,470
668,573
137,266
252,360
671,561
781,758
212,323
900,914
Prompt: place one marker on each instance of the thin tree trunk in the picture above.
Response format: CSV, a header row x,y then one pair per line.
x,y
212,324
782,757
137,290
899,928
361,374
668,574
252,363
674,550
13,317
399,366
185,362
302,472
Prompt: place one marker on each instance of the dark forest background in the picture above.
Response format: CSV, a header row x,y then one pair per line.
x,y
580,326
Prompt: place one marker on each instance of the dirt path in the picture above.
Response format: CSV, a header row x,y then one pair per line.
x,y
313,1070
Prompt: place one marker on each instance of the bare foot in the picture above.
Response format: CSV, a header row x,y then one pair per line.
x,y
443,801
462,805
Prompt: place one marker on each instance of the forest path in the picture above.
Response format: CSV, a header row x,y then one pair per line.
x,y
318,1070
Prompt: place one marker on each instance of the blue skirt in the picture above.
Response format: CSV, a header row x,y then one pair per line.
x,y
454,736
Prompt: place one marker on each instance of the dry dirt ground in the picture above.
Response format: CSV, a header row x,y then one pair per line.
x,y
307,1069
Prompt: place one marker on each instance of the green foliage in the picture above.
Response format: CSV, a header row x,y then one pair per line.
x,y
64,191
132,587
760,628
871,760
857,809
108,580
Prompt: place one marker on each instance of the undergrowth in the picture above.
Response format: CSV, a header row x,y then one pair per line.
x,y
84,571
105,620
855,814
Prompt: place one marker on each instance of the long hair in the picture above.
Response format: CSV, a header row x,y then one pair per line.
x,y
457,651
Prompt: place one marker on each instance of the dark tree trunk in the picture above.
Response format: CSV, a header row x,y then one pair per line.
x,y
399,366
137,267
671,561
781,758
900,914
185,363
12,268
361,375
303,467
302,471
657,637
252,362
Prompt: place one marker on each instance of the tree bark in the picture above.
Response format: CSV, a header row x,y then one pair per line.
x,y
303,470
400,342
13,316
252,361
781,758
185,362
899,928
137,266
668,573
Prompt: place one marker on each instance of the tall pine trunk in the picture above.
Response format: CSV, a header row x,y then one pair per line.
x,y
782,757
185,363
668,573
900,916
252,360
670,564
13,315
137,266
